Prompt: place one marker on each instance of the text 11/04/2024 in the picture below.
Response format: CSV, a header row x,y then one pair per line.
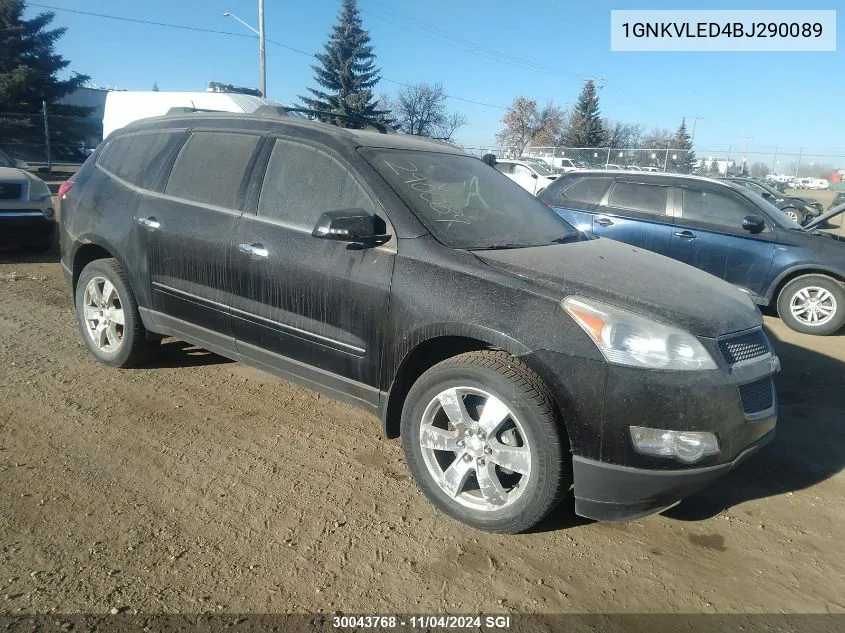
x,y
382,622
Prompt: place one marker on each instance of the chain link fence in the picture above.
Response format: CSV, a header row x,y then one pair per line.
x,y
44,138
788,166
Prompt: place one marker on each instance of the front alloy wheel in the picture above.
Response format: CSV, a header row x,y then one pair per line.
x,y
481,459
484,441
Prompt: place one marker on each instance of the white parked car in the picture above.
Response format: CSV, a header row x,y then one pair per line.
x,y
529,175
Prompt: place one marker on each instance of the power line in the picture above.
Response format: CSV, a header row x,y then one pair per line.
x,y
442,36
230,33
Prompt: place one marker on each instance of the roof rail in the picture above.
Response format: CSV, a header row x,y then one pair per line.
x,y
268,110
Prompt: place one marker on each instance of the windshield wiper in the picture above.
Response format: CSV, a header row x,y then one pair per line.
x,y
563,239
501,247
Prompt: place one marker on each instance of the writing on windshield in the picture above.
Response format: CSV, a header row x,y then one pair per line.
x,y
412,176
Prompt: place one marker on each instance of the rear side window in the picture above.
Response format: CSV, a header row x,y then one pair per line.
x,y
713,208
505,168
639,197
136,158
303,182
587,190
211,167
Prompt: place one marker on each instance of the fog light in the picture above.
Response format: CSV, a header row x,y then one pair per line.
x,y
48,213
686,446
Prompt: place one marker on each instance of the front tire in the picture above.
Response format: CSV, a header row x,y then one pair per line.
x,y
813,304
794,214
108,316
484,442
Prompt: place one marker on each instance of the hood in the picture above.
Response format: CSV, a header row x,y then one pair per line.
x,y
633,279
13,174
824,217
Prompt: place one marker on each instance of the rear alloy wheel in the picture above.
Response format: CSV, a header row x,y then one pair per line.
x,y
108,315
813,304
490,460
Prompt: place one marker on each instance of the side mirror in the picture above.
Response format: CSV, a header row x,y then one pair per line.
x,y
21,164
346,225
351,225
753,223
533,175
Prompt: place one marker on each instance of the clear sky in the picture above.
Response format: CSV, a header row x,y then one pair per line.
x,y
488,51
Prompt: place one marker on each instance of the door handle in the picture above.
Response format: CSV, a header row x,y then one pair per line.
x,y
686,235
254,250
604,221
150,223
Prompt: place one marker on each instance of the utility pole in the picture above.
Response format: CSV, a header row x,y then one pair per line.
x,y
775,162
262,66
47,138
261,47
744,152
800,155
695,121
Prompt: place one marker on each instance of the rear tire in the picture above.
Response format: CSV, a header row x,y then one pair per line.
x,y
813,304
484,442
108,316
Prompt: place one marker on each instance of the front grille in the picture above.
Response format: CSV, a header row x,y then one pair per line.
x,y
744,347
10,190
757,396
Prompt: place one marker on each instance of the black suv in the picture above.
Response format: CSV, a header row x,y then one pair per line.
x,y
801,210
510,351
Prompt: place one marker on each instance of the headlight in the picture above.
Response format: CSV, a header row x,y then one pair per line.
x,y
625,338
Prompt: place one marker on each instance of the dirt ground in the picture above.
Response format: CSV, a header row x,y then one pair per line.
x,y
199,485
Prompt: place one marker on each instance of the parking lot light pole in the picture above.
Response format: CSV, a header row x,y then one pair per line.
x,y
262,68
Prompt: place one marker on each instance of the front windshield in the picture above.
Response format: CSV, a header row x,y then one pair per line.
x,y
540,166
466,204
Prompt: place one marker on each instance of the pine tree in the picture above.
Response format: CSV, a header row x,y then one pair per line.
x,y
155,86
586,128
347,72
682,142
29,68
714,169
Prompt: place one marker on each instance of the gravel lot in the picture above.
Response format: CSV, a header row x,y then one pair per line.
x,y
199,485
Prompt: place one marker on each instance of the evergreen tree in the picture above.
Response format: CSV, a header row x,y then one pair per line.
x,y
683,143
586,128
29,69
714,171
155,86
346,74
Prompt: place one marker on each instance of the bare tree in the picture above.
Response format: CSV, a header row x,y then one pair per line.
x,y
622,135
421,110
524,124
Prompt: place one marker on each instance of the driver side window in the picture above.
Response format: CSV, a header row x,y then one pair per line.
x,y
714,208
302,182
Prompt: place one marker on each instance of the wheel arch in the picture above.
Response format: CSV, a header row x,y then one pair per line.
x,y
428,352
801,271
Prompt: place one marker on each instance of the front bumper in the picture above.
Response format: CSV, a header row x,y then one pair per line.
x,y
22,227
599,402
607,492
